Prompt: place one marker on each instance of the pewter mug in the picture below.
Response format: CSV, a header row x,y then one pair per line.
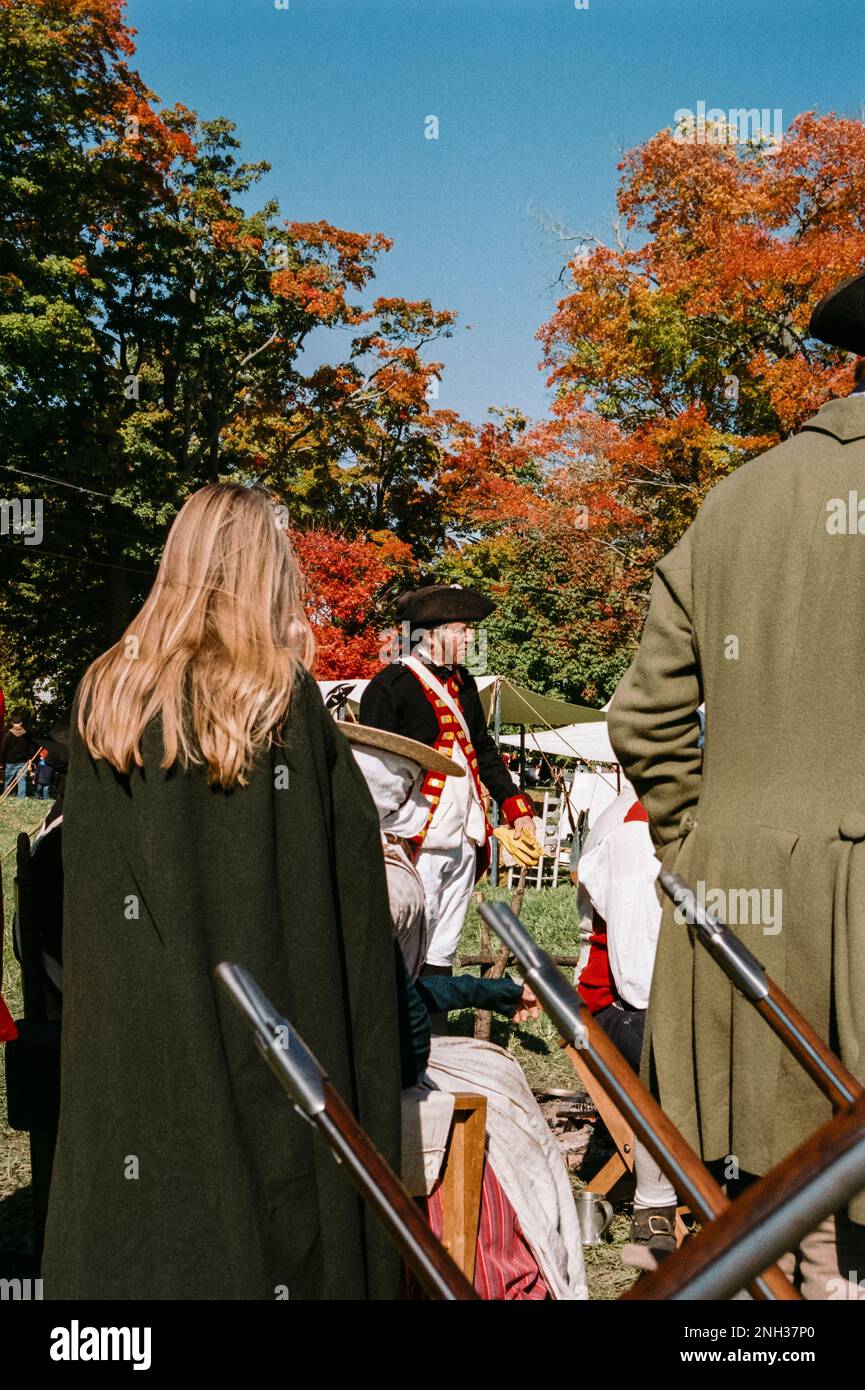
x,y
595,1216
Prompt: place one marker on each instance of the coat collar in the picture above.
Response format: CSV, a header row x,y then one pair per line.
x,y
444,673
843,419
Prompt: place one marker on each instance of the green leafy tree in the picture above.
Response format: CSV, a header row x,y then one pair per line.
x,y
152,336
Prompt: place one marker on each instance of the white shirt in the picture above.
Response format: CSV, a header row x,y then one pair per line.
x,y
617,872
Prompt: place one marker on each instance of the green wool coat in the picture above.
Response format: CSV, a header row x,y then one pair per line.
x,y
759,610
182,1170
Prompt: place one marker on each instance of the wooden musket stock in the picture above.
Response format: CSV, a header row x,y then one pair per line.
x,y
687,1172
392,1204
770,1217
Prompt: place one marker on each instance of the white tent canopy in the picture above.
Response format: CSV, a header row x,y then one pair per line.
x,y
591,742
594,792
590,791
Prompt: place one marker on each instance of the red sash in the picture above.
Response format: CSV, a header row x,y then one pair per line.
x,y
450,731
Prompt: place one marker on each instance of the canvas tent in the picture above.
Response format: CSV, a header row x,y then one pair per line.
x,y
590,790
516,703
589,742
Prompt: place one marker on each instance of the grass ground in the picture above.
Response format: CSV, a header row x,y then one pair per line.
x,y
549,915
551,918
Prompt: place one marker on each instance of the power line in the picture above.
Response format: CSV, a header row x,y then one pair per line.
x,y
64,520
90,527
74,559
45,478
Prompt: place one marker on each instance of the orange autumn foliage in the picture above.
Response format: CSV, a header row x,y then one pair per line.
x,y
343,577
678,357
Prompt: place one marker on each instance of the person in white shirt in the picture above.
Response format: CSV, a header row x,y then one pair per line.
x,y
621,918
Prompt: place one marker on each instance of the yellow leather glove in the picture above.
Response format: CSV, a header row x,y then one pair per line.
x,y
524,851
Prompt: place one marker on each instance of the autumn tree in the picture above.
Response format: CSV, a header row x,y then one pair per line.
x,y
361,443
535,529
152,332
682,349
344,580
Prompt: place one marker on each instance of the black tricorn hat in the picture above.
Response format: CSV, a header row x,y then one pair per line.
x,y
839,318
442,603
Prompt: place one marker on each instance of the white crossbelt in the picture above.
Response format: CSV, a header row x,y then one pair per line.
x,y
460,810
426,677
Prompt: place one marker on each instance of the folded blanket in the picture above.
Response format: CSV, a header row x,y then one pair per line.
x,y
523,1153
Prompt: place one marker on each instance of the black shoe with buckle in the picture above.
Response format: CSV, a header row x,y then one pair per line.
x,y
654,1227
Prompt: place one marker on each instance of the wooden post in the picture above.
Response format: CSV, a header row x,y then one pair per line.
x,y
463,1180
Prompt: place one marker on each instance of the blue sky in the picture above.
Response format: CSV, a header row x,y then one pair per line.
x,y
535,100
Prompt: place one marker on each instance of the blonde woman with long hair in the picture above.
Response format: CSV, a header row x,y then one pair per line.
x,y
214,812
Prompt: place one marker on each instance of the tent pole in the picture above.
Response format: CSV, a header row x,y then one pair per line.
x,y
522,757
497,728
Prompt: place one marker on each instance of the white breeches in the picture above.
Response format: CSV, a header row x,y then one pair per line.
x,y
448,877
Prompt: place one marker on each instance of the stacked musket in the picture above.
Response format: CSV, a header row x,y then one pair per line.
x,y
317,1101
740,1239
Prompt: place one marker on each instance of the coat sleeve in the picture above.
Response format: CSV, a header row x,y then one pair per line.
x,y
653,722
415,1030
442,993
380,708
494,775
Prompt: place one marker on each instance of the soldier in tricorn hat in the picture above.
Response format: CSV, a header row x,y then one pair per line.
x,y
431,696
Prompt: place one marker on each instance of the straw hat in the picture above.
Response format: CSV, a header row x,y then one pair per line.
x,y
410,748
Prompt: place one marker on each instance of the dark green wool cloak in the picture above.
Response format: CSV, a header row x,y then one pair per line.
x,y
182,1170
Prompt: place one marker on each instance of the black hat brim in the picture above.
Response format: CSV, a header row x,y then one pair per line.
x,y
839,318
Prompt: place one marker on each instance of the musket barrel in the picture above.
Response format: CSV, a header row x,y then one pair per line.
x,y
560,1001
280,1045
685,1169
315,1098
749,977
734,958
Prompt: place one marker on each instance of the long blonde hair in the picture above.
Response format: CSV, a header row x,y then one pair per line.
x,y
215,649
